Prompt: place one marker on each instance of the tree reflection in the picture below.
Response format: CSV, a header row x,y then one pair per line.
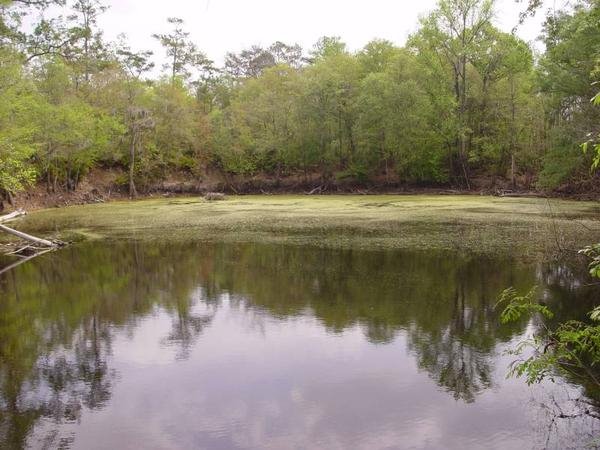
x,y
57,386
443,302
57,325
187,326
58,314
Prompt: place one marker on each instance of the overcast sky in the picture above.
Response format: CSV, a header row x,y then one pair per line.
x,y
219,26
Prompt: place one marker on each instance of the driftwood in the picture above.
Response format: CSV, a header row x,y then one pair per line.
x,y
517,194
317,189
35,247
12,216
214,196
27,237
26,250
30,238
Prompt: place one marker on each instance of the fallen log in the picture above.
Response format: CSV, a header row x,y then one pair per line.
x,y
214,196
12,215
28,237
317,189
35,248
521,194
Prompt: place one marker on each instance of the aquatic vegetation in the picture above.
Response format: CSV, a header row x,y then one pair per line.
x,y
472,223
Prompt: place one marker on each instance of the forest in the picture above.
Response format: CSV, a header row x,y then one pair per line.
x,y
461,104
293,320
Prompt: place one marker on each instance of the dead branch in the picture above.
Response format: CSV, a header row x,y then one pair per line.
x,y
28,237
214,196
12,216
35,247
21,251
317,189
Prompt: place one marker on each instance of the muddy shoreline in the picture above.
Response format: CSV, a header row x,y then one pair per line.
x,y
101,187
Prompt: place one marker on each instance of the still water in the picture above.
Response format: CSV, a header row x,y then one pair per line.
x,y
135,345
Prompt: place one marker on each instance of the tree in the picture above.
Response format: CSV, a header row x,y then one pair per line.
x,y
180,130
73,135
520,124
328,46
17,126
267,108
51,37
138,118
252,62
463,103
394,117
249,63
90,55
183,54
377,55
532,7
329,113
290,55
213,90
12,13
571,348
568,72
454,32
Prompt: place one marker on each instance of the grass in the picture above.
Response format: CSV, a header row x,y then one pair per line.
x,y
472,223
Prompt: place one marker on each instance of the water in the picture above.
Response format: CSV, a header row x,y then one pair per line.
x,y
136,345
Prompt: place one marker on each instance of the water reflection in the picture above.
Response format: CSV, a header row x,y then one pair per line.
x,y
285,334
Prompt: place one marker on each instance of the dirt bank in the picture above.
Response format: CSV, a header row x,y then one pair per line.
x,y
103,186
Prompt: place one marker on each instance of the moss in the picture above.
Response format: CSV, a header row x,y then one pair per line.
x,y
473,223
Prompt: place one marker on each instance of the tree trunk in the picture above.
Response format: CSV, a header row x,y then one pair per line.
x,y
462,121
513,133
463,162
463,101
174,68
513,166
132,189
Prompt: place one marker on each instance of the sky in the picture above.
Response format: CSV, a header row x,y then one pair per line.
x,y
219,26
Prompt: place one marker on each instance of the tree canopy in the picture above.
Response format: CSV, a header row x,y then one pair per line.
x,y
462,103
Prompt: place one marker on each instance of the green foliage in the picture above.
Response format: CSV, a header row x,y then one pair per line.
x,y
177,123
15,173
17,125
182,54
594,143
75,134
572,348
595,314
593,252
462,100
516,306
567,74
562,161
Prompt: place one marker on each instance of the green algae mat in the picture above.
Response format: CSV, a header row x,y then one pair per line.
x,y
472,223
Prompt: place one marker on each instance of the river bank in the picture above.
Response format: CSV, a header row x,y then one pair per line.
x,y
106,185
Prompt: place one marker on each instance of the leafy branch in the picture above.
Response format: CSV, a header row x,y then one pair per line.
x,y
571,349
